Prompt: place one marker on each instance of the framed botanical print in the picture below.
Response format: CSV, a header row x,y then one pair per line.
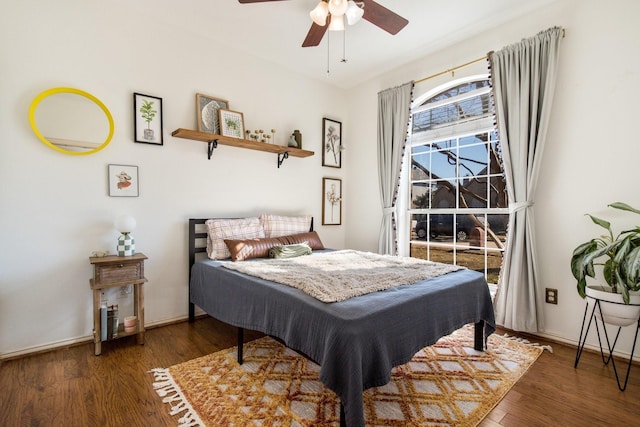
x,y
231,123
147,118
331,201
207,109
331,143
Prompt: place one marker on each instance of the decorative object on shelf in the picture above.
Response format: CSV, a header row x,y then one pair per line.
x,y
125,224
332,143
331,201
260,135
147,113
297,136
207,109
231,123
130,323
292,141
123,180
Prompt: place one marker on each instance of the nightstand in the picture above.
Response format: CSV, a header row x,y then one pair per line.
x,y
116,271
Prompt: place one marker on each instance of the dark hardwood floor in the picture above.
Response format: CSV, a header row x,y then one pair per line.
x,y
72,387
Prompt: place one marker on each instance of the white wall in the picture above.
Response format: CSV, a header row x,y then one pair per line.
x,y
54,208
591,155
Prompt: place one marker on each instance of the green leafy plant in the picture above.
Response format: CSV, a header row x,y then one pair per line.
x,y
618,255
147,112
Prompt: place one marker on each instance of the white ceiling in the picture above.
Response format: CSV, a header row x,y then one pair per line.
x,y
275,31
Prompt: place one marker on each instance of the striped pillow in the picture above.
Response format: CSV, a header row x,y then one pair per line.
x,y
278,225
220,229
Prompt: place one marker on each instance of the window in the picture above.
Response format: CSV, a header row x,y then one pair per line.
x,y
458,202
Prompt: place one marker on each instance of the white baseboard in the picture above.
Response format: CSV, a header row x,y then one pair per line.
x,y
54,345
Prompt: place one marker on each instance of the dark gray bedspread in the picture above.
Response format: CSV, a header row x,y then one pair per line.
x,y
356,342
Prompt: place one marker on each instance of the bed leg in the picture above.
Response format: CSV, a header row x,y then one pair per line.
x,y
343,421
478,339
240,344
192,312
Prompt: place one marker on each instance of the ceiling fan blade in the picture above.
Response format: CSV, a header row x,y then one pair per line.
x,y
315,35
255,1
382,17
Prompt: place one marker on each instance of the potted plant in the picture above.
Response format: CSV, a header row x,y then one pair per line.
x,y
619,259
148,113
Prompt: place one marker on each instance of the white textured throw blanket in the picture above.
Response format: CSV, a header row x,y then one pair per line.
x,y
340,275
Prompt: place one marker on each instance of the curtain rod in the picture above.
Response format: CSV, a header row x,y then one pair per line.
x,y
451,70
466,64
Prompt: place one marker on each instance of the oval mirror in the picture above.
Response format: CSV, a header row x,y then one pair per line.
x,y
71,121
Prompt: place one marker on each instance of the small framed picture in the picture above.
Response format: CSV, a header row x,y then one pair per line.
x,y
123,181
331,201
147,119
331,143
207,109
231,123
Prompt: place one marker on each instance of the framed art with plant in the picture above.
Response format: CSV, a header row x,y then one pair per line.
x,y
207,110
231,123
147,119
331,143
331,201
123,181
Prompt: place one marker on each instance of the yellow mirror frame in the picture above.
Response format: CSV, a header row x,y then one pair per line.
x,y
49,92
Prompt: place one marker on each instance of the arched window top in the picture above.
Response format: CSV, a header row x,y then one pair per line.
x,y
461,106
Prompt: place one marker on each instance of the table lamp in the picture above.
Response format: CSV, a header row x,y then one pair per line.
x,y
126,243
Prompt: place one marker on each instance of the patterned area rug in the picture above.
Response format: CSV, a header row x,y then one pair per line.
x,y
447,384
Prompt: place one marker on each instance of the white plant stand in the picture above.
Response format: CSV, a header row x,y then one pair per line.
x,y
597,314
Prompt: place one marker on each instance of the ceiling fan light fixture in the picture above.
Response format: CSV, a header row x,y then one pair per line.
x,y
354,12
336,23
319,13
337,7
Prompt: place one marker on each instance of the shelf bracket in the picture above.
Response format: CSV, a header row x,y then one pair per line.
x,y
211,145
281,157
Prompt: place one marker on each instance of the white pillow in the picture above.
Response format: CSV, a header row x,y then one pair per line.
x,y
278,225
220,229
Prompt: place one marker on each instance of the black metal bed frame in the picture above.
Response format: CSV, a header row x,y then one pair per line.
x,y
195,248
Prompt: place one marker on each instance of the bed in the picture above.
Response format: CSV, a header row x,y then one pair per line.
x,y
356,342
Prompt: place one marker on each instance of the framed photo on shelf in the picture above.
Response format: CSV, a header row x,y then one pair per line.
x,y
231,123
123,181
147,119
331,143
207,109
331,201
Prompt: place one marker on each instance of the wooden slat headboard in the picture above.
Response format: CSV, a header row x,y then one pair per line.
x,y
198,245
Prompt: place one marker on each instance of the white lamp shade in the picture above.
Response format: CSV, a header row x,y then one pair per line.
x,y
319,14
337,7
125,223
353,13
337,23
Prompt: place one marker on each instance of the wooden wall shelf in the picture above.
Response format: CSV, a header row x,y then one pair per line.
x,y
213,140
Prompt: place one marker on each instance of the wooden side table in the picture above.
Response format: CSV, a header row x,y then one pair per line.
x,y
116,271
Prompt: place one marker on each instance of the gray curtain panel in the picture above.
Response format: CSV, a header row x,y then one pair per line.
x,y
394,109
524,80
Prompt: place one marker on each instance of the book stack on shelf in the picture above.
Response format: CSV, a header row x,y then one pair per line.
x,y
108,322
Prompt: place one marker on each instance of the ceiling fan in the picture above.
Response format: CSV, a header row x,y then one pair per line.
x,y
375,13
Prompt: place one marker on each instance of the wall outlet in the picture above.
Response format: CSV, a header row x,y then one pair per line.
x,y
124,291
551,296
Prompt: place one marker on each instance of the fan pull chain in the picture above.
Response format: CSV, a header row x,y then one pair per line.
x,y
344,46
328,50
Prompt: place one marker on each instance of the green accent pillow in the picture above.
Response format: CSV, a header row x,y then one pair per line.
x,y
290,251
